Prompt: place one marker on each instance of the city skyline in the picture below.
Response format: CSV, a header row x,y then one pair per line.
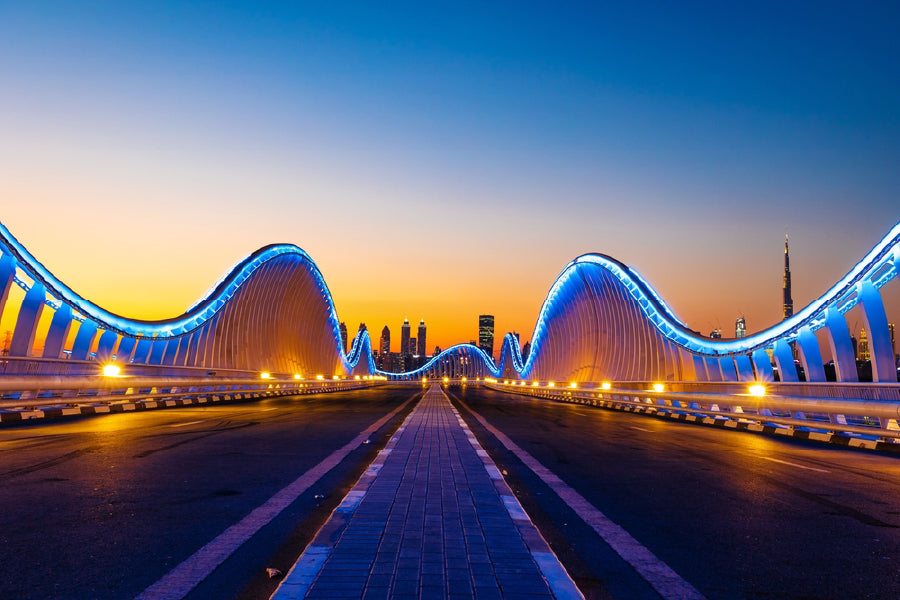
x,y
501,147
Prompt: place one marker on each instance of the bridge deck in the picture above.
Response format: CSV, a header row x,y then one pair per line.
x,y
430,518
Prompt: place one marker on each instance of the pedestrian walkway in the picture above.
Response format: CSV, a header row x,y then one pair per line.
x,y
431,517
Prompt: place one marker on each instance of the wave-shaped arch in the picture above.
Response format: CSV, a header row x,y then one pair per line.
x,y
273,311
600,320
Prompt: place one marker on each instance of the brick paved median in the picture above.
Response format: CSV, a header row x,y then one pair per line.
x,y
430,518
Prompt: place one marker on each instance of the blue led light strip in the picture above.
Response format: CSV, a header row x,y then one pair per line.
x,y
878,266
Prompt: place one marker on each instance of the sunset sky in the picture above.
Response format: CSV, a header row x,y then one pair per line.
x,y
447,160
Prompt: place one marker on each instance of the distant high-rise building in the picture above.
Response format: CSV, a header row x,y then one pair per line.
x,y
788,300
404,338
740,327
715,334
344,336
526,350
864,353
486,333
855,344
412,347
384,344
420,339
437,350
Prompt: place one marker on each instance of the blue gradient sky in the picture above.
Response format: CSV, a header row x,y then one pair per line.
x,y
444,160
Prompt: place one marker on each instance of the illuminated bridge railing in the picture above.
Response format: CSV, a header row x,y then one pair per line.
x,y
867,410
273,312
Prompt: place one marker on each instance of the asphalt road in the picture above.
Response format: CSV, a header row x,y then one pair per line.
x,y
103,507
737,515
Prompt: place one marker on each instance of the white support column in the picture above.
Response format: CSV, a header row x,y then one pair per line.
x,y
729,372
763,365
27,320
106,345
744,367
700,367
171,351
142,351
841,346
884,367
157,348
810,355
84,339
59,331
713,371
126,346
688,372
784,358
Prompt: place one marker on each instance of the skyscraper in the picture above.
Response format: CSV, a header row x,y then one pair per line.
x,y
740,327
526,350
864,353
486,333
420,339
404,338
412,347
384,344
344,336
788,301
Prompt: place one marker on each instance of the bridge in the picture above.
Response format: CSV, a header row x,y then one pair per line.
x,y
268,332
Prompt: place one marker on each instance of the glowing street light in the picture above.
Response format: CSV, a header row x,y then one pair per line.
x,y
658,387
265,375
606,385
573,384
757,389
298,376
111,370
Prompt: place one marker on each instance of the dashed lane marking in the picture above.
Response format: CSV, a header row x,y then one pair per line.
x,y
792,464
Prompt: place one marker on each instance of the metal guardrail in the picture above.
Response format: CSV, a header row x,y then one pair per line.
x,y
31,392
14,366
877,418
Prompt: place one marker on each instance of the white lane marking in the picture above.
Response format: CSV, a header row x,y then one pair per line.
x,y
785,462
658,574
178,582
641,429
185,424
